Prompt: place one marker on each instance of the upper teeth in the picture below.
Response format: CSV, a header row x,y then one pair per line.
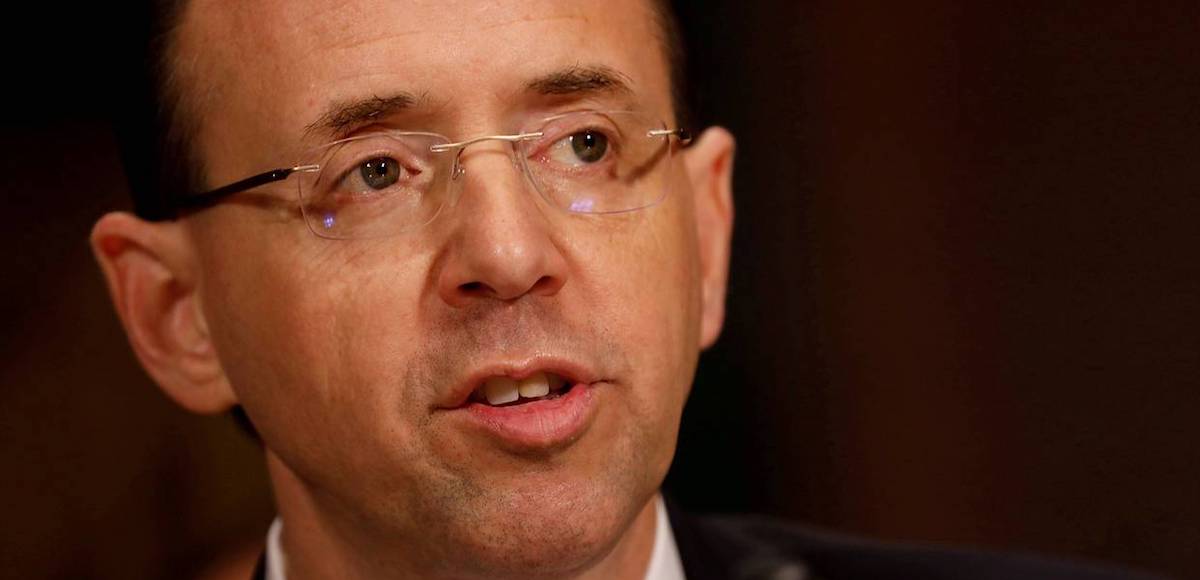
x,y
502,390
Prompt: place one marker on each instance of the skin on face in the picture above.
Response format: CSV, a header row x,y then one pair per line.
x,y
341,351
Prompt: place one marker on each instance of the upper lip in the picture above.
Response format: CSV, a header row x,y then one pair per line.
x,y
571,370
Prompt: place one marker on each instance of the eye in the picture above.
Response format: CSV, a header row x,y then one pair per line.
x,y
380,172
370,169
580,148
589,146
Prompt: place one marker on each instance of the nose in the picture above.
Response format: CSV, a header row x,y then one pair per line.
x,y
501,244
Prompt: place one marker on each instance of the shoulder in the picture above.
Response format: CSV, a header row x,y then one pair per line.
x,y
753,548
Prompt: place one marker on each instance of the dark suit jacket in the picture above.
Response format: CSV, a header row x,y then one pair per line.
x,y
755,548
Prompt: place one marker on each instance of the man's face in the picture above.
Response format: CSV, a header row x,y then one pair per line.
x,y
354,358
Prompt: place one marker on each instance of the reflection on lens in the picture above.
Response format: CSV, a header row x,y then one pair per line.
x,y
583,205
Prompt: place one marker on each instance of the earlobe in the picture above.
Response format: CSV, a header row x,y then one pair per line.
x,y
150,270
709,163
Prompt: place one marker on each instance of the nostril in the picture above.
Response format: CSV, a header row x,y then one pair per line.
x,y
545,286
474,288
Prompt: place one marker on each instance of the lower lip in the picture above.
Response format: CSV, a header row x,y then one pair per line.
x,y
536,425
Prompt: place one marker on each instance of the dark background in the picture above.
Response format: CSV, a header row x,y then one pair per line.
x,y
963,304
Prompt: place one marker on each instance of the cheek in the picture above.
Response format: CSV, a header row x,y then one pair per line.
x,y
668,323
649,280
662,285
315,345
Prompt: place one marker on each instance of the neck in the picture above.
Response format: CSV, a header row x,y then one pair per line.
x,y
320,542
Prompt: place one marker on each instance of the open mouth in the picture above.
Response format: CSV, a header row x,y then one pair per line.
x,y
537,406
504,391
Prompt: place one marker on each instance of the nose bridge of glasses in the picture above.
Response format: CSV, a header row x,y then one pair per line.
x,y
459,147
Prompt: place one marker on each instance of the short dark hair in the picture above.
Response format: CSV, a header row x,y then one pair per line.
x,y
153,136
675,49
155,132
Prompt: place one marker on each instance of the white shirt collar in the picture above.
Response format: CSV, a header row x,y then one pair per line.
x,y
276,561
665,563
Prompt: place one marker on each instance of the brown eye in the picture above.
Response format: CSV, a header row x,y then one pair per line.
x,y
380,173
589,146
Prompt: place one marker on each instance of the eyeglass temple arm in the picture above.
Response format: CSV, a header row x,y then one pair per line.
x,y
684,135
206,198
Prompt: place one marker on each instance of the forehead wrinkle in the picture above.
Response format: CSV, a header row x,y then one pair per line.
x,y
333,123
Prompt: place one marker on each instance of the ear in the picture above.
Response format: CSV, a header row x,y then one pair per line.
x,y
150,269
709,163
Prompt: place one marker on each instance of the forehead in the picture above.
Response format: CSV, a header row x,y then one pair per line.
x,y
264,70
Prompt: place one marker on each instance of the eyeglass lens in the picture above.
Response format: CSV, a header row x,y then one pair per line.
x,y
386,183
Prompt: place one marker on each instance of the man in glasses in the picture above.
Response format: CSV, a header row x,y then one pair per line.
x,y
454,261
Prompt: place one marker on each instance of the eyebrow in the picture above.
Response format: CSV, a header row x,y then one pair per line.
x,y
343,116
580,79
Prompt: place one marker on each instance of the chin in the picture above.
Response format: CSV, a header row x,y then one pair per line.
x,y
553,531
